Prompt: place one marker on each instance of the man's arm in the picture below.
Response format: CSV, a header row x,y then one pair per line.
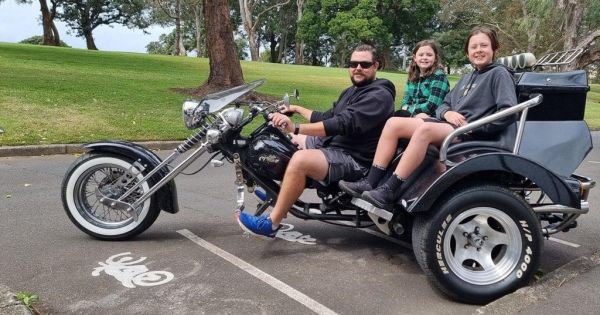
x,y
309,129
304,112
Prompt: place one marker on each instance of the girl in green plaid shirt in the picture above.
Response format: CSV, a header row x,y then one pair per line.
x,y
427,83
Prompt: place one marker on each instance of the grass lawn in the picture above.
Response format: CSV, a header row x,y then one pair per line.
x,y
64,95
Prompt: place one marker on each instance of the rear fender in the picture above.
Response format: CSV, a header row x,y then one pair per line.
x,y
166,195
552,185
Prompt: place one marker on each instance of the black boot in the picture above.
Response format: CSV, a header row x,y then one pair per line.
x,y
385,196
365,184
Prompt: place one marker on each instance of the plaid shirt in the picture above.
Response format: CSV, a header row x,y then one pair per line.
x,y
425,95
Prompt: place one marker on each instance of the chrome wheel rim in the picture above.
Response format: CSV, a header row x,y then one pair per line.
x,y
104,177
482,245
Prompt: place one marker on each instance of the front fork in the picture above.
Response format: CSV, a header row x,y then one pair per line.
x,y
120,204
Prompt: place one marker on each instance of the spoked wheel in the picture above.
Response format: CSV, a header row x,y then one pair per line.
x,y
478,244
107,174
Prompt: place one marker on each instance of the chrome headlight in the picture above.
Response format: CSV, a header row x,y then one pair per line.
x,y
192,116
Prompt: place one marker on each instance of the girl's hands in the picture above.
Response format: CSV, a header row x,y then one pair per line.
x,y
455,118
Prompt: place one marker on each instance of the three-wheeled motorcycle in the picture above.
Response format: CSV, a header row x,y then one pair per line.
x,y
477,228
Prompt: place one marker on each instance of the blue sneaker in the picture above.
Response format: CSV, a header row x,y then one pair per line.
x,y
260,226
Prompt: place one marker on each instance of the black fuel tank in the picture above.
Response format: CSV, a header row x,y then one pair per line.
x,y
269,153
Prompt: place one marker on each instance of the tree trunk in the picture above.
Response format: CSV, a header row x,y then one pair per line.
x,y
573,16
386,61
273,48
589,55
225,68
299,57
179,49
200,45
51,36
89,39
281,48
248,23
253,45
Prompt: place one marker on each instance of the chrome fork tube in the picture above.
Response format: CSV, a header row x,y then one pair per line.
x,y
176,170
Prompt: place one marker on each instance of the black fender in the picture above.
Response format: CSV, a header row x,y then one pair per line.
x,y
488,164
166,195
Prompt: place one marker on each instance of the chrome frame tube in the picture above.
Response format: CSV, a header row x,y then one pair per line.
x,y
485,120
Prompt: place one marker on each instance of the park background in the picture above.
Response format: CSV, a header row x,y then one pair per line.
x,y
52,94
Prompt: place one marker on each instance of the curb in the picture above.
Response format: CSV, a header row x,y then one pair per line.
x,y
539,291
9,305
54,149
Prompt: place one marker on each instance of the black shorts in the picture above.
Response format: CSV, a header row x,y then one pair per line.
x,y
341,164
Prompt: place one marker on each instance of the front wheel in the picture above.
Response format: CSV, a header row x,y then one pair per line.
x,y
103,171
478,244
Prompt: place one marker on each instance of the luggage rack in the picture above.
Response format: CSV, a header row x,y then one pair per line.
x,y
557,59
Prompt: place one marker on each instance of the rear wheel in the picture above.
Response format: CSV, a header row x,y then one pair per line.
x,y
478,244
103,172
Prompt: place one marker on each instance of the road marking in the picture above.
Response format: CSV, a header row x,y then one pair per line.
x,y
595,162
379,234
261,275
564,242
131,275
286,233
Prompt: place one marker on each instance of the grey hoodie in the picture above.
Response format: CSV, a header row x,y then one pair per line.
x,y
482,93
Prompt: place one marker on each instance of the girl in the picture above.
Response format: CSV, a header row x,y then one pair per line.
x,y
427,84
488,89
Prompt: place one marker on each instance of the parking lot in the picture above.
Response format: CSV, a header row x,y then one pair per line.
x,y
199,261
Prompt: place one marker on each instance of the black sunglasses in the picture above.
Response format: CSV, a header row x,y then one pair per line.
x,y
363,64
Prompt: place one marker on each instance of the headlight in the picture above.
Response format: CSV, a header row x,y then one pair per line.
x,y
192,116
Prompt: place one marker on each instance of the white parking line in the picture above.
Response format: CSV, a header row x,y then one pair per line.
x,y
563,242
595,162
261,275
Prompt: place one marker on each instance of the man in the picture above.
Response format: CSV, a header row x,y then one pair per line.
x,y
337,144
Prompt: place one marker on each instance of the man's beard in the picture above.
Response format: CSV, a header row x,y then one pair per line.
x,y
362,83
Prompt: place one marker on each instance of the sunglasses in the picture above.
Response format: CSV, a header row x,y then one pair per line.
x,y
363,64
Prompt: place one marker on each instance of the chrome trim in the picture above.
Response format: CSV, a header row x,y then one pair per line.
x,y
585,208
485,120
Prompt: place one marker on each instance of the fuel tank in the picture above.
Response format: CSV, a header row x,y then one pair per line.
x,y
270,152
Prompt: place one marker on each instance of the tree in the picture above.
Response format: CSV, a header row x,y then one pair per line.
x,y
251,12
51,36
171,11
225,68
581,30
83,16
277,31
299,56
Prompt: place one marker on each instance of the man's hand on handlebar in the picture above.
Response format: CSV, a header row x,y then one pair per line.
x,y
287,109
282,121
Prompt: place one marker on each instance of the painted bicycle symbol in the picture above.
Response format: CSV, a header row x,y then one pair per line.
x,y
286,232
130,274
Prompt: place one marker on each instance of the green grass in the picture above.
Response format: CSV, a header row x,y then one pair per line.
x,y
62,95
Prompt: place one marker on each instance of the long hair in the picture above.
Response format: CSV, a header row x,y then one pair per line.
x,y
414,72
491,34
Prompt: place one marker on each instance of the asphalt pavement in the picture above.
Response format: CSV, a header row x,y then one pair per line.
x,y
198,261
